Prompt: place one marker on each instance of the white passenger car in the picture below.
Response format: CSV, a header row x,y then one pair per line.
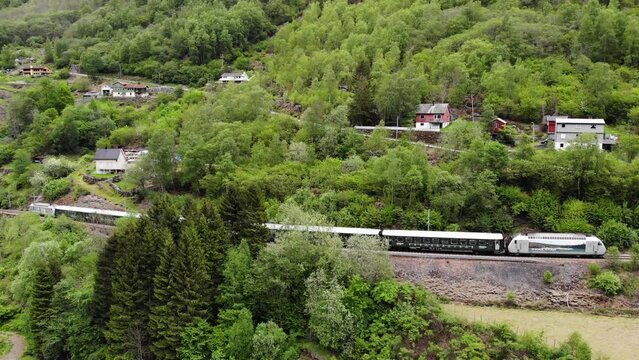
x,y
556,244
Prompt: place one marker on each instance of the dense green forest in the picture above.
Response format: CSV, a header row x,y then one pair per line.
x,y
198,278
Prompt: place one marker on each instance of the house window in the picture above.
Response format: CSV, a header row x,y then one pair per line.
x,y
421,116
438,116
593,127
421,124
563,125
561,145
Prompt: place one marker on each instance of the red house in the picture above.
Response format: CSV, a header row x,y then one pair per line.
x,y
497,126
432,117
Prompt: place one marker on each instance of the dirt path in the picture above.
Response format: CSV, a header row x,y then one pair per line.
x,y
18,345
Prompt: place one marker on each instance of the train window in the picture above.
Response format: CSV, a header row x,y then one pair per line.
x,y
444,242
453,242
472,242
462,242
482,242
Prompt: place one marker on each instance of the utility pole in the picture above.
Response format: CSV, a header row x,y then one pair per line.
x,y
428,221
472,107
532,130
396,126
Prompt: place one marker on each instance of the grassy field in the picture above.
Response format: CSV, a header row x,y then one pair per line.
x,y
609,337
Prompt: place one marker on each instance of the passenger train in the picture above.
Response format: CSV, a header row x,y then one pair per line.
x,y
543,244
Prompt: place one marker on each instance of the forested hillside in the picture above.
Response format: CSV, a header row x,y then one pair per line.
x,y
198,277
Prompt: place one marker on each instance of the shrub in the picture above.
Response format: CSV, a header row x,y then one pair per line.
x,y
55,189
57,167
608,282
612,258
615,233
511,298
548,277
574,348
594,268
634,258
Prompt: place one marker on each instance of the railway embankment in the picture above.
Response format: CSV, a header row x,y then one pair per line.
x,y
510,282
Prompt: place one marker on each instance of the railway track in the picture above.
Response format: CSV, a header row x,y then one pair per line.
x,y
515,259
108,229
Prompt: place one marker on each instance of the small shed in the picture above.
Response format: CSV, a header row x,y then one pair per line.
x,y
497,126
110,161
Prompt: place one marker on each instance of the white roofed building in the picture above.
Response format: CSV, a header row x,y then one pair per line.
x,y
566,131
234,78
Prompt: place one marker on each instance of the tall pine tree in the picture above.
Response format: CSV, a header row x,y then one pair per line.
x,y
132,289
182,292
40,307
243,214
164,339
362,110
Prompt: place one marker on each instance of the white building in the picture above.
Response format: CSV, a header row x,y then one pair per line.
x,y
565,131
123,90
110,161
234,78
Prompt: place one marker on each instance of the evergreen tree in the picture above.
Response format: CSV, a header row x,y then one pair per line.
x,y
132,288
216,243
243,214
182,291
41,312
102,291
362,108
161,317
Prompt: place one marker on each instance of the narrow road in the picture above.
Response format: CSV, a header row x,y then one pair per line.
x,y
18,345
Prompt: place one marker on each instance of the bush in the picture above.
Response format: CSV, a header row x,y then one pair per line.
x,y
634,258
511,298
57,167
55,189
613,258
608,282
548,277
594,268
615,233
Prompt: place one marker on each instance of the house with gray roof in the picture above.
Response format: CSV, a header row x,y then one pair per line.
x,y
565,131
432,117
110,161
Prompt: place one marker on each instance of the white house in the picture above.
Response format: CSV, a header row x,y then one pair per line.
x,y
234,78
564,131
123,90
110,161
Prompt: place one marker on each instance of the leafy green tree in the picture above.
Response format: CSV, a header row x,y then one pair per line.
x,y
20,164
271,343
543,209
615,233
91,61
329,319
21,113
50,94
398,95
161,163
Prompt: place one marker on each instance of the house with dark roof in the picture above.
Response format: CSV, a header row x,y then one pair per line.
x,y
432,117
110,161
121,89
35,71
